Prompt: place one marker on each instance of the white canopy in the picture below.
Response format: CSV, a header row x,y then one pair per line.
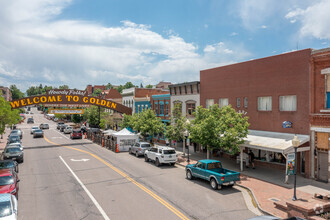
x,y
109,132
124,133
272,141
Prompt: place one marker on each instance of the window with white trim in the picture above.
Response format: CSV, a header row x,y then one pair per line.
x,y
245,102
223,102
265,103
238,102
209,103
288,103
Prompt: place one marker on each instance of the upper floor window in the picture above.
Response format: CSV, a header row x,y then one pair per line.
x,y
223,102
191,106
161,108
288,103
175,90
166,108
185,89
180,90
238,102
209,103
265,103
191,89
156,108
245,102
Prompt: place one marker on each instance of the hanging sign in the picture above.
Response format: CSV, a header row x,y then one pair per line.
x,y
287,124
291,164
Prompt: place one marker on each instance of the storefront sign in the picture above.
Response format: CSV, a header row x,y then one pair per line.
x,y
67,111
291,164
287,124
68,97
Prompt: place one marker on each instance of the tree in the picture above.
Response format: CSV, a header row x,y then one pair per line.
x,y
15,92
149,86
7,115
97,92
106,120
64,87
109,86
129,85
175,131
76,118
219,128
91,114
141,86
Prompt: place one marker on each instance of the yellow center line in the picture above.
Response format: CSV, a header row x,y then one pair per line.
x,y
159,199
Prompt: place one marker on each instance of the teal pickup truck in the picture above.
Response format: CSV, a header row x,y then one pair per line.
x,y
212,171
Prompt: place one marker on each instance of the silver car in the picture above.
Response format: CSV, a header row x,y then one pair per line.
x,y
17,145
68,130
13,153
44,126
33,129
139,148
8,208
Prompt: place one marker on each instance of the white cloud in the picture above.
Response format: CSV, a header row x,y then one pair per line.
x,y
233,34
263,27
37,47
314,19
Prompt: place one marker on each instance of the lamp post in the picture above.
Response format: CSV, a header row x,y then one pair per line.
x,y
295,144
186,134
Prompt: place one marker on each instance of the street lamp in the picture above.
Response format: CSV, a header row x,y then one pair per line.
x,y
295,144
186,134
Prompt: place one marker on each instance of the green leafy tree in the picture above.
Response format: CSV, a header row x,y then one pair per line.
x,y
175,131
129,85
91,114
97,92
64,87
76,118
149,86
109,86
219,128
107,120
7,115
15,92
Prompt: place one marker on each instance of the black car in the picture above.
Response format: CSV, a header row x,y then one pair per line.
x,y
30,120
9,164
13,139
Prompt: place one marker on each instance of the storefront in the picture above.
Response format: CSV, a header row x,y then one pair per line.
x,y
272,148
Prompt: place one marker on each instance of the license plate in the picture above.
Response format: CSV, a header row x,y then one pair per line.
x,y
231,182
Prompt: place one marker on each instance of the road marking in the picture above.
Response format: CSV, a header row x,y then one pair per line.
x,y
57,137
84,160
152,194
61,134
87,191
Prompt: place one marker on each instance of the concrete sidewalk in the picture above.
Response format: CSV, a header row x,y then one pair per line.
x,y
267,185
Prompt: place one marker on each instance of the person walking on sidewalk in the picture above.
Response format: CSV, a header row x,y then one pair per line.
x,y
251,159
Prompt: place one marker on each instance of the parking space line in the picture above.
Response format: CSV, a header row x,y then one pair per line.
x,y
61,133
142,187
87,191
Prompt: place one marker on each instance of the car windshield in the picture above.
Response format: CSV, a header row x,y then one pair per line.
x,y
6,164
6,180
76,132
145,145
215,165
35,127
5,209
68,127
13,132
169,151
13,150
14,138
37,130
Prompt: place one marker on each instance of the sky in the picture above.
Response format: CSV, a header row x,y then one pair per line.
x,y
80,42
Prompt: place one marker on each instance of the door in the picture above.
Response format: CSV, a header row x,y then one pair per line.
x,y
302,162
323,166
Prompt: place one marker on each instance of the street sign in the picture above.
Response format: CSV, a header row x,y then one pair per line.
x,y
291,164
66,111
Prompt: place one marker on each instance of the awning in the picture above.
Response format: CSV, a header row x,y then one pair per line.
x,y
272,141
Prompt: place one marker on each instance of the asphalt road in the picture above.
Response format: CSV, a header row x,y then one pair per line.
x,y
119,185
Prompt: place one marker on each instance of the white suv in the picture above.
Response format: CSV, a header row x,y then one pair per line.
x,y
160,155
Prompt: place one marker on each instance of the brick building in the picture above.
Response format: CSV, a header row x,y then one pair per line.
x,y
6,93
161,104
163,85
90,89
274,93
320,114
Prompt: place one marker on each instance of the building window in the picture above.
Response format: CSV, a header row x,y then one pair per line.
x,y
245,102
185,89
175,90
191,89
209,103
161,108
137,109
238,102
166,108
328,90
223,102
190,108
156,108
180,90
265,103
288,103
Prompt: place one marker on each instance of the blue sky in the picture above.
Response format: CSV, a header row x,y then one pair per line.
x,y
80,42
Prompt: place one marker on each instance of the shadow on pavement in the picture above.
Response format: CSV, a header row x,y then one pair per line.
x,y
54,146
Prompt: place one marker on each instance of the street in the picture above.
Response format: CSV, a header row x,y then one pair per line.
x,y
76,179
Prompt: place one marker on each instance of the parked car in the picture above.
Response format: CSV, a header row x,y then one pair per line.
x,y
63,127
34,128
139,148
161,155
13,139
9,182
212,171
30,120
76,134
16,144
17,132
67,130
59,125
93,130
38,133
9,164
8,206
44,126
13,153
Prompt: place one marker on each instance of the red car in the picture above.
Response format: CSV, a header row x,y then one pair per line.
x,y
9,182
76,134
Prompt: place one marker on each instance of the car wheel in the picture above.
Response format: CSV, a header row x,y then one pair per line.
x,y
136,154
189,175
157,163
146,159
172,164
22,160
214,184
230,185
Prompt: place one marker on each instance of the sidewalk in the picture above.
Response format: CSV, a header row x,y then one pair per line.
x,y
267,185
3,141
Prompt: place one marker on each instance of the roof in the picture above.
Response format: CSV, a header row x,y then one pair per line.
x,y
273,141
5,197
209,161
165,148
185,83
112,94
5,172
124,132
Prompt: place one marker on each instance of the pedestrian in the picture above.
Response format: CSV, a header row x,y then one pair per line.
x,y
167,142
251,159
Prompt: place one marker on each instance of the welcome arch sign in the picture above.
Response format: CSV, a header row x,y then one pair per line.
x,y
69,97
